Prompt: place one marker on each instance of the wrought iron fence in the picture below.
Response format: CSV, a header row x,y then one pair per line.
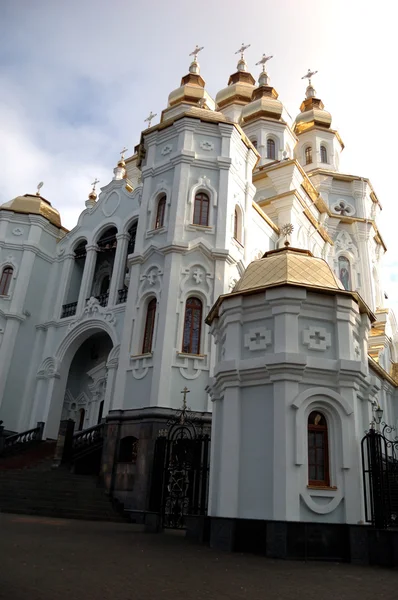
x,y
380,477
68,310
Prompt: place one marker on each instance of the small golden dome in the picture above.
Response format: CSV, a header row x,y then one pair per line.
x,y
239,89
288,266
33,204
312,113
192,90
264,103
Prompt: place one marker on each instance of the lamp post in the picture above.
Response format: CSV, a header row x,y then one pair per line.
x,y
378,416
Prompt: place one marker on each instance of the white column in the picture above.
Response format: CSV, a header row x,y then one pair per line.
x,y
110,385
119,267
87,279
67,266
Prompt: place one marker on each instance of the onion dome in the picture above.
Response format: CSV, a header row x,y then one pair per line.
x,y
34,204
240,85
264,102
192,88
92,197
312,110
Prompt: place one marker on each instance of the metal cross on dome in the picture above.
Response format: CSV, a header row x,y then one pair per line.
x,y
263,61
242,50
308,75
95,182
287,230
196,52
150,117
122,152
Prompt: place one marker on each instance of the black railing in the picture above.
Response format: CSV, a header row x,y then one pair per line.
x,y
87,441
102,299
13,444
68,310
380,477
122,296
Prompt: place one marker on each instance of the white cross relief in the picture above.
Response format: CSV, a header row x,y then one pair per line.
x,y
317,338
258,339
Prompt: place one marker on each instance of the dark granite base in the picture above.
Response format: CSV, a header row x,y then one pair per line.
x,y
359,544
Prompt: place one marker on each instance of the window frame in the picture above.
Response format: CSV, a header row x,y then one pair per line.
x,y
271,149
190,306
7,274
323,429
202,198
160,212
150,317
324,151
308,155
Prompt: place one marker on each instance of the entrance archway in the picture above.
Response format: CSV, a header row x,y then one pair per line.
x,y
86,382
103,335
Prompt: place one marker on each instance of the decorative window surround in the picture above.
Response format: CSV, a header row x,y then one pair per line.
x,y
191,365
156,231
317,338
204,228
140,364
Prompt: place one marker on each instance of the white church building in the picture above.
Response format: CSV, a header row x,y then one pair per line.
x,y
228,255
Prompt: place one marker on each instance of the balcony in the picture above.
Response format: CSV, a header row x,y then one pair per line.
x,y
122,296
102,299
68,310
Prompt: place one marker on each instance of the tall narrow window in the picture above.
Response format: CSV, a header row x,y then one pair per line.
x,y
308,155
101,410
5,280
324,154
254,142
160,212
149,326
271,149
201,209
345,272
236,224
318,450
192,326
133,234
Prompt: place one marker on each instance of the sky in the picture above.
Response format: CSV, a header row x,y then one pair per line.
x,y
78,78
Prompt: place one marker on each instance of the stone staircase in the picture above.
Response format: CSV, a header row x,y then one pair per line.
x,y
40,490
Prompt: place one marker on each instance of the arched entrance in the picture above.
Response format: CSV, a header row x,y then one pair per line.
x,y
86,382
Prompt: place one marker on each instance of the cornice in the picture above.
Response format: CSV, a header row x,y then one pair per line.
x,y
265,217
381,372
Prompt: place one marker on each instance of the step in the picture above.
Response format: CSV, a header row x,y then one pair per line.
x,y
86,516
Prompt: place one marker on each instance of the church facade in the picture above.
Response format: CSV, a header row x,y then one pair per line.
x,y
162,285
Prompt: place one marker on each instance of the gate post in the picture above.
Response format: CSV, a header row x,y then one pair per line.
x,y
376,473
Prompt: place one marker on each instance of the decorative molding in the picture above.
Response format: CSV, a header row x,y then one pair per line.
x,y
196,278
110,204
17,231
258,338
317,338
150,281
93,310
141,363
343,208
207,146
166,149
48,369
113,358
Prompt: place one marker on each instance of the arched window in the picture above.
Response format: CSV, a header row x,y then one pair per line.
x,y
149,326
5,280
318,450
254,142
238,225
308,155
345,272
271,149
104,287
192,326
324,154
133,234
201,209
82,414
160,212
128,449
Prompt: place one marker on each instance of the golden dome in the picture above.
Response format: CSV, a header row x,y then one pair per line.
x,y
288,266
312,113
33,204
192,88
264,103
239,89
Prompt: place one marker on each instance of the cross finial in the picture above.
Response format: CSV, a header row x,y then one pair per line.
x,y
185,391
39,186
308,75
242,50
94,184
264,60
196,52
287,230
150,117
122,153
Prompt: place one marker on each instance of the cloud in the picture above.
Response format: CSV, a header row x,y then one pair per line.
x,y
77,80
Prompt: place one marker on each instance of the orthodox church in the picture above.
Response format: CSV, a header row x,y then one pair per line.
x,y
230,256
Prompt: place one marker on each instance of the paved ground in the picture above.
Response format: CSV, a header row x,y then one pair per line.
x,y
55,559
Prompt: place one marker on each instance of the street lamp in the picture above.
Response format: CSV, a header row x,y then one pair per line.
x,y
378,414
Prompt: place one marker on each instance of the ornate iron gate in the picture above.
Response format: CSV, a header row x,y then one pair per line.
x,y
181,472
380,477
